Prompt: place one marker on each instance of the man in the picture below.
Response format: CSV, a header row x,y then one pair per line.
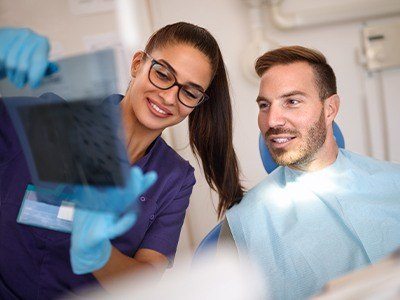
x,y
324,211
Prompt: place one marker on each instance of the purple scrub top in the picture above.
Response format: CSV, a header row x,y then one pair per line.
x,y
35,262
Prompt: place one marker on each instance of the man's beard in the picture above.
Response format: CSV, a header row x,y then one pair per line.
x,y
314,139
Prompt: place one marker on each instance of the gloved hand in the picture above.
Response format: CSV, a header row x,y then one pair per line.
x,y
24,57
92,230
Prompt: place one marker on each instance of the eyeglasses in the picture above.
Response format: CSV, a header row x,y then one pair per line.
x,y
161,77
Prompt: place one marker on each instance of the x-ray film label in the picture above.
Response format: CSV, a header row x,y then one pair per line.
x,y
66,211
40,214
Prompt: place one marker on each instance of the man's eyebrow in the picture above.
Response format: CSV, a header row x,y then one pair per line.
x,y
293,93
195,85
261,98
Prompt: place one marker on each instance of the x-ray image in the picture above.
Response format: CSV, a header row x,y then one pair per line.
x,y
70,135
70,142
81,135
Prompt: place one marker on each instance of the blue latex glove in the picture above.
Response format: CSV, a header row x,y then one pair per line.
x,y
24,57
92,230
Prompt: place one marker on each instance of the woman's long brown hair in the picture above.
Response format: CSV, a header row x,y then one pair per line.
x,y
210,124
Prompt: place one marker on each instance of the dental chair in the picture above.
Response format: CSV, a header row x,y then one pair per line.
x,y
209,243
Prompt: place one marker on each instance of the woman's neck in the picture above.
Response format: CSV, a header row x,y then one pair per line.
x,y
137,137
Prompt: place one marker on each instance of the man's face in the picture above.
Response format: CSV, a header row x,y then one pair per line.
x,y
291,115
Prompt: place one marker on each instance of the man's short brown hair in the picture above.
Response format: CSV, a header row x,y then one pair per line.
x,y
324,76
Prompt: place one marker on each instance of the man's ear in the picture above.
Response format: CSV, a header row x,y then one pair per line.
x,y
331,107
137,62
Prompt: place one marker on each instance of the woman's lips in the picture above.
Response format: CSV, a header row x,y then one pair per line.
x,y
158,110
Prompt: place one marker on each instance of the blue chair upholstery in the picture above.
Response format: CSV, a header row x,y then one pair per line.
x,y
270,164
209,243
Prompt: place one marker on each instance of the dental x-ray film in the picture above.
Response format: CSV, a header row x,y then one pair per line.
x,y
71,137
70,144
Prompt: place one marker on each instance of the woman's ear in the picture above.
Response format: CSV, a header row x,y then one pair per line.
x,y
331,106
137,62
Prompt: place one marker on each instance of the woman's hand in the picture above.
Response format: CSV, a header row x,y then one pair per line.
x,y
24,57
93,229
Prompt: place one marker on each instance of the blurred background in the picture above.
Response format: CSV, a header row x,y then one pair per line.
x,y
360,38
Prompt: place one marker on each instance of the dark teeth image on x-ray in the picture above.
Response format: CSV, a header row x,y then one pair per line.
x,y
82,136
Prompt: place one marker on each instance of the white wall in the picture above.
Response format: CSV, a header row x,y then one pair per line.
x,y
228,21
54,19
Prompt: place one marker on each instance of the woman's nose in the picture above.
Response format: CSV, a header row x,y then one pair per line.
x,y
170,96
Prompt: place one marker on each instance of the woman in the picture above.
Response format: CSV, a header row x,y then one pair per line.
x,y
180,73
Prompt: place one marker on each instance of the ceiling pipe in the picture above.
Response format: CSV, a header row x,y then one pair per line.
x,y
259,43
134,23
335,13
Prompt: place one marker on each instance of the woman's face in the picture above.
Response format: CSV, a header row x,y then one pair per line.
x,y
155,108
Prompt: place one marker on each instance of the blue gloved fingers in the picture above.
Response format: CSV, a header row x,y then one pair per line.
x,y
7,38
2,71
123,224
93,198
14,52
149,179
90,240
90,246
23,61
90,228
24,56
93,229
90,197
51,69
139,182
83,264
114,199
39,62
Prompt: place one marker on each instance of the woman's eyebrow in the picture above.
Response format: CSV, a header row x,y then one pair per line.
x,y
168,66
195,85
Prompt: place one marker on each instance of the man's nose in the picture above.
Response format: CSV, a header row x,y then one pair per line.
x,y
276,117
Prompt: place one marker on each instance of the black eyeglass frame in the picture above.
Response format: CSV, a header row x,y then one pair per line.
x,y
176,83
